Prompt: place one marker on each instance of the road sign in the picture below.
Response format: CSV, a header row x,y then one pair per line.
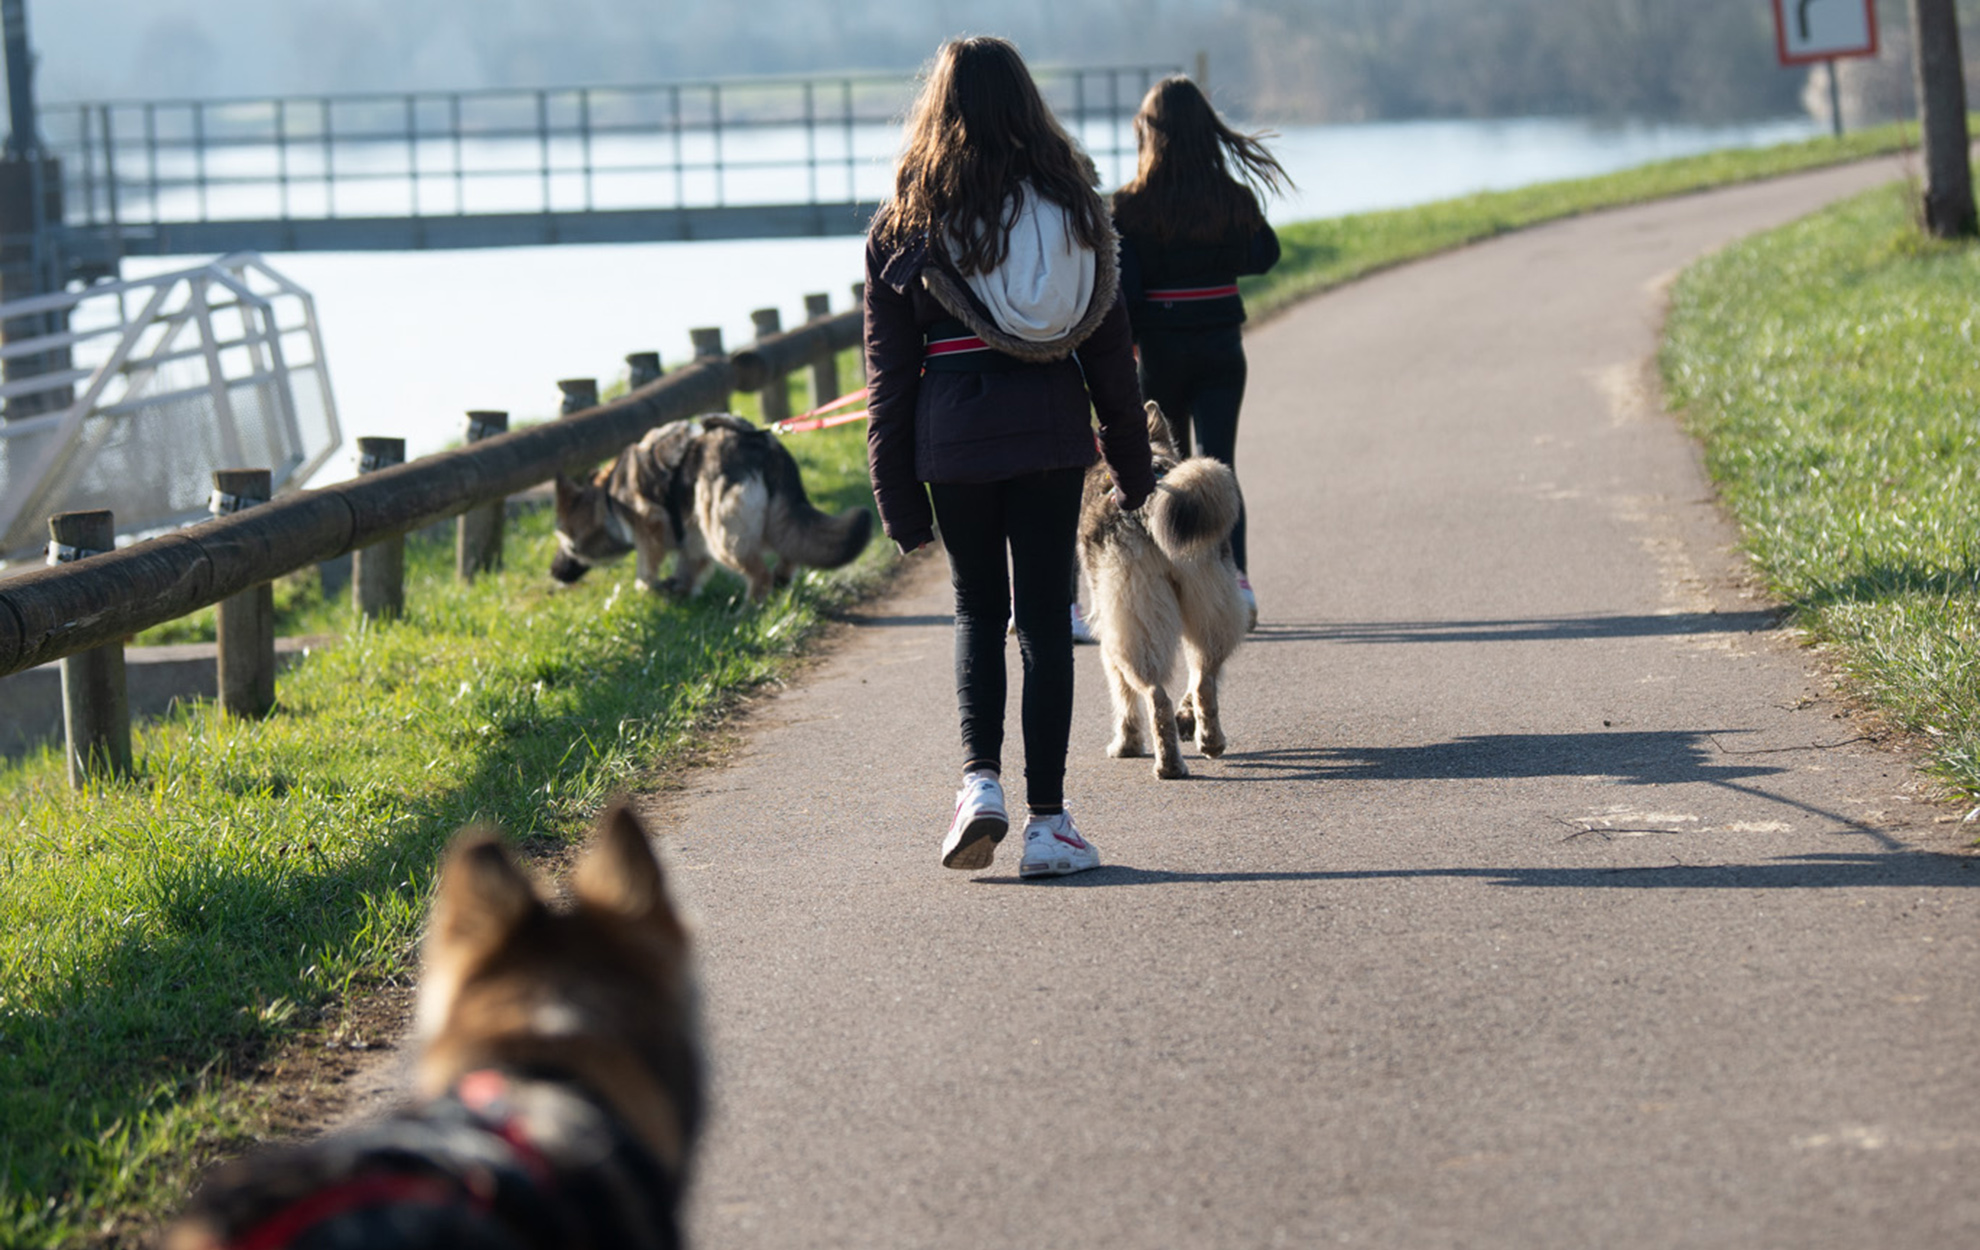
x,y
1822,30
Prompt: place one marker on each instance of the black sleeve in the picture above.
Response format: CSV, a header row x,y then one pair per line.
x,y
893,369
1263,252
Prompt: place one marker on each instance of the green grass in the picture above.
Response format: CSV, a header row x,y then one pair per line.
x,y
158,938
1323,254
1833,371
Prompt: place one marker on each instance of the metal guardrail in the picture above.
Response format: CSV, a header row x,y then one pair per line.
x,y
416,169
169,378
60,611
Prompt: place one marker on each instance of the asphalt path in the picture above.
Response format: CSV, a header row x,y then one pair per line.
x,y
1544,898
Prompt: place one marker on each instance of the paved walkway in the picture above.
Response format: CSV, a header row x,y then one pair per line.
x,y
1544,898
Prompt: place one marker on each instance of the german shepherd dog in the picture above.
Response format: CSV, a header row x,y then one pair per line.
x,y
713,488
1163,577
559,1080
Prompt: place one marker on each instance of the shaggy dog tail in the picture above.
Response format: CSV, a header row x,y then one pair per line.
x,y
1194,508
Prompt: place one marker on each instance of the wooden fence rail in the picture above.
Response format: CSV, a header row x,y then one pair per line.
x,y
62,610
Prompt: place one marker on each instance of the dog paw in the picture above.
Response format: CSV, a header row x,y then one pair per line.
x,y
1126,749
1171,770
1211,743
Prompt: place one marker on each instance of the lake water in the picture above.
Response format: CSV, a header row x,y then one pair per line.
x,y
416,339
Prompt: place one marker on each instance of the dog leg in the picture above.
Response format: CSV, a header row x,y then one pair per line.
x,y
1127,743
646,566
757,573
1186,714
1169,764
688,574
1209,717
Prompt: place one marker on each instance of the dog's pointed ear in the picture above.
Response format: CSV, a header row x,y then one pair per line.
x,y
1159,434
621,874
483,897
568,491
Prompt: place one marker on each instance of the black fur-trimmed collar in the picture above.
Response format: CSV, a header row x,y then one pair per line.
x,y
925,260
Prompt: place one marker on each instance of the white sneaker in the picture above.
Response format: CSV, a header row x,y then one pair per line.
x,y
1053,848
980,824
1250,602
1082,632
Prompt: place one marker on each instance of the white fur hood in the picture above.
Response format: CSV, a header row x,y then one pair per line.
x,y
1046,283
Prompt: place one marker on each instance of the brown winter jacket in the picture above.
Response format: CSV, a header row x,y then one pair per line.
x,y
1030,410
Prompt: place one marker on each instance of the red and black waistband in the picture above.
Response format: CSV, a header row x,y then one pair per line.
x,y
949,346
1190,294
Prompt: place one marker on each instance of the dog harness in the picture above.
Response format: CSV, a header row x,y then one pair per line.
x,y
469,1169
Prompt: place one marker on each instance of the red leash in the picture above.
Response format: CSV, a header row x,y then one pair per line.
x,y
816,420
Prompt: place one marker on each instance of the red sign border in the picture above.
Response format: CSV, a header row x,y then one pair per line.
x,y
1780,37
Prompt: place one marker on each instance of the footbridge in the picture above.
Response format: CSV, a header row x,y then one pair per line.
x,y
713,159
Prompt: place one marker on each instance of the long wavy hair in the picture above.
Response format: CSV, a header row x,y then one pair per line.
x,y
978,129
1197,180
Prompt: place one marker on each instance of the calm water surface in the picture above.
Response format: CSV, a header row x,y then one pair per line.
x,y
416,339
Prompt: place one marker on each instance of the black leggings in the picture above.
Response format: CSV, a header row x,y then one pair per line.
x,y
1035,518
1198,378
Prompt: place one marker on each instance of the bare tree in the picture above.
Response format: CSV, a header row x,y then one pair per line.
x,y
1949,210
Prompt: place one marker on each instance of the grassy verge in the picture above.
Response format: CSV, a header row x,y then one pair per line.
x,y
1323,254
158,938
1833,371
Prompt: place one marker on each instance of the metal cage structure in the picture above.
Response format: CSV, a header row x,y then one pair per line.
x,y
162,381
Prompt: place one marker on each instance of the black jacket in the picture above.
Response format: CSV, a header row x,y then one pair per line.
x,y
1031,407
1148,265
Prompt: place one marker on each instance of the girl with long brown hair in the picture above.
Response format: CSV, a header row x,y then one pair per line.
x,y
995,330
1190,225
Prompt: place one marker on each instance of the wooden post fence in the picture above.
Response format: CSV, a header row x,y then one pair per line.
x,y
859,308
776,393
478,531
378,572
825,369
641,368
96,705
580,395
245,623
76,607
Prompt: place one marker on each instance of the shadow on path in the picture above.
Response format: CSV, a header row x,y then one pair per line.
x,y
863,620
1629,758
1538,629
1902,870
1649,758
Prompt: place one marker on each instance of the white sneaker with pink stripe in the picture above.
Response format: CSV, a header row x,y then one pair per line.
x,y
1053,848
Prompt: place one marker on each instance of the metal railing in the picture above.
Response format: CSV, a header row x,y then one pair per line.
x,y
144,388
132,169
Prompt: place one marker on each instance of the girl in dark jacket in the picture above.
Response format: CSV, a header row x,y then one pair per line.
x,y
995,329
1190,224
